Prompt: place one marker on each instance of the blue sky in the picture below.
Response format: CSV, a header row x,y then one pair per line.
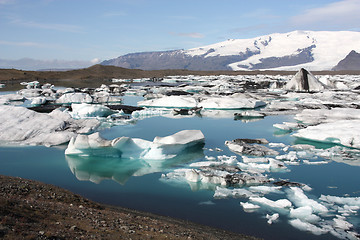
x,y
103,29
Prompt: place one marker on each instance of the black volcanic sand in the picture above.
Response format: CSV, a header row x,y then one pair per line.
x,y
34,210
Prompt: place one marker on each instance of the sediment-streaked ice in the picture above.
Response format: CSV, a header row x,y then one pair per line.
x,y
23,126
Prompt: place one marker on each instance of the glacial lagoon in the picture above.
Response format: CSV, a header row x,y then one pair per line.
x,y
304,190
138,185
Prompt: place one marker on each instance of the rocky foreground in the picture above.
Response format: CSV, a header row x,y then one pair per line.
x,y
34,210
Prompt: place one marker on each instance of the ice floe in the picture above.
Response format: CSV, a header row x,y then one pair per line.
x,y
23,126
159,148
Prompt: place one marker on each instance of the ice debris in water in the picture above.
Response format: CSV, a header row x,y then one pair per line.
x,y
159,148
306,226
222,192
297,196
239,146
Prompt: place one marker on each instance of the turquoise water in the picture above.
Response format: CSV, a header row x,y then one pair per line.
x,y
136,184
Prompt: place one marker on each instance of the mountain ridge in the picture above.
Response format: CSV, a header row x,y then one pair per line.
x,y
314,50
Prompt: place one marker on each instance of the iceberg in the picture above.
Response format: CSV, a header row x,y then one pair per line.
x,y
304,81
352,201
272,218
305,226
74,97
125,147
278,204
305,214
229,103
241,147
249,207
85,110
222,192
170,102
344,132
23,126
297,196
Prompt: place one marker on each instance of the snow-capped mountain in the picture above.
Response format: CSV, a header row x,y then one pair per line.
x,y
313,50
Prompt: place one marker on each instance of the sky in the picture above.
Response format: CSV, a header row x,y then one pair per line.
x,y
96,30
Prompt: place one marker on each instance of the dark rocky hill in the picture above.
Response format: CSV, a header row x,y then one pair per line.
x,y
350,62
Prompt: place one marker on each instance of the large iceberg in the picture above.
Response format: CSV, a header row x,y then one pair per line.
x,y
343,132
135,148
24,126
170,101
226,102
206,102
84,110
304,81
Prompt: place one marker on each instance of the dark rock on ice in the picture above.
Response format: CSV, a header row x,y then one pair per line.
x,y
239,146
177,93
284,183
125,108
249,140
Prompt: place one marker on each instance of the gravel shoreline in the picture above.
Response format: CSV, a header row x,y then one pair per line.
x,y
34,210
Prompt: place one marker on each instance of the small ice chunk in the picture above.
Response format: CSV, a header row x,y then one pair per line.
x,y
314,162
249,207
281,203
272,218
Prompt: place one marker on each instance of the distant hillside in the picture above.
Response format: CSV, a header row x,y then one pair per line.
x,y
313,50
350,62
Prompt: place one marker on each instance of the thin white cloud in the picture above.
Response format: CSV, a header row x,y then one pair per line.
x,y
341,15
49,26
190,35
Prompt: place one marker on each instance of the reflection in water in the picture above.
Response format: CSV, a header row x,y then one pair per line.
x,y
96,168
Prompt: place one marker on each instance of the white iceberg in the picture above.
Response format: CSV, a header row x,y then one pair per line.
x,y
304,81
272,218
159,148
297,196
352,201
85,110
344,132
226,102
222,192
170,102
278,204
74,97
23,126
305,214
305,226
249,207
